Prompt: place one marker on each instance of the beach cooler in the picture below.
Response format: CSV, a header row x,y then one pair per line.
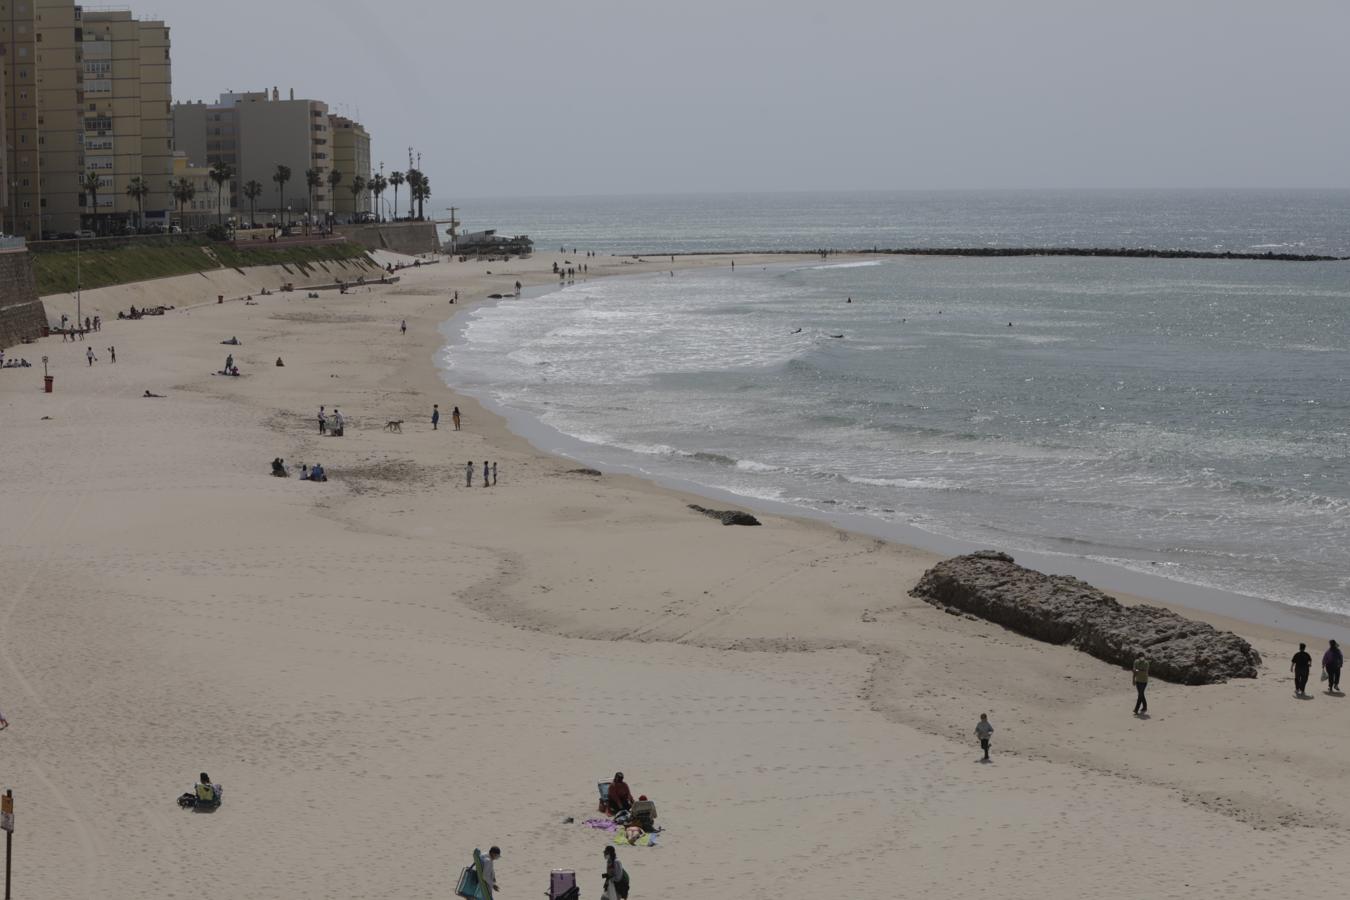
x,y
562,885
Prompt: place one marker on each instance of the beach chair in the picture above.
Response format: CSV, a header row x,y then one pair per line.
x,y
562,885
604,796
644,813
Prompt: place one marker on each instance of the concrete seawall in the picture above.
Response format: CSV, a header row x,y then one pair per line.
x,y
22,314
411,238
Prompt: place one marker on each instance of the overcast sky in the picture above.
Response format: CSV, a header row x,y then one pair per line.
x,y
629,96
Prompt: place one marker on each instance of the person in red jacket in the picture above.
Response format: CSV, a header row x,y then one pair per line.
x,y
620,797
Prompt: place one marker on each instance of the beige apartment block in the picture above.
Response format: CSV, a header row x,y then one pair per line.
x,y
351,157
127,117
60,98
209,205
18,40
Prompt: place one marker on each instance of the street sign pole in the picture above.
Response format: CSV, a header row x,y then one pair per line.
x,y
7,822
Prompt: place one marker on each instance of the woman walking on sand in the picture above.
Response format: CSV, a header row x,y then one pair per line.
x,y
454,416
616,877
1332,661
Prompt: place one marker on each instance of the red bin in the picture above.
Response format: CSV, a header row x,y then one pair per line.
x,y
47,381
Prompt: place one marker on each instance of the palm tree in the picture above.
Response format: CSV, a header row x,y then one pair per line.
x,y
138,189
221,173
183,192
419,189
414,177
90,186
378,184
312,180
281,176
252,190
396,179
357,186
334,179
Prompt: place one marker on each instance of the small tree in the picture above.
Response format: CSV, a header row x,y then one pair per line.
x,y
396,180
252,190
357,186
221,173
183,192
138,189
281,176
90,186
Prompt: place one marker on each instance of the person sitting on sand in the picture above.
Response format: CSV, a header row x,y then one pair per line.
x,y
206,791
279,468
317,473
304,472
279,362
620,797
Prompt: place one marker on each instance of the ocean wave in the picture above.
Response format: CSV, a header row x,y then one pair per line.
x,y
848,265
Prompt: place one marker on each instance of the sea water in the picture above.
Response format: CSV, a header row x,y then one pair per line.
x,y
1184,417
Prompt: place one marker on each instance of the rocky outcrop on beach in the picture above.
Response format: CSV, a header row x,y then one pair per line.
x,y
1063,610
727,516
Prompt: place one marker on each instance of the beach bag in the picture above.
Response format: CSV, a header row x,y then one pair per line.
x,y
468,884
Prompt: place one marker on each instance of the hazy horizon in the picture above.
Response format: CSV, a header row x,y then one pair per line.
x,y
599,98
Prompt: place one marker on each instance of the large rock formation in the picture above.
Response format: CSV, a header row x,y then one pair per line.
x,y
1064,610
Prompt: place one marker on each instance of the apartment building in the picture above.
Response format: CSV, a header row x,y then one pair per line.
x,y
127,118
256,131
351,157
19,75
209,204
51,126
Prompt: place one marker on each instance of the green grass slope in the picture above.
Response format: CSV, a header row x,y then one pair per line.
x,y
56,272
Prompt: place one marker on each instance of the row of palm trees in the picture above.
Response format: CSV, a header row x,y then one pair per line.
x,y
183,191
222,173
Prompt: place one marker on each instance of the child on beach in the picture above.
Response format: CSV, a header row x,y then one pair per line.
x,y
984,731
435,416
468,474
1141,685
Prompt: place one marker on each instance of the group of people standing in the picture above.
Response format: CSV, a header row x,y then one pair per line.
x,y
489,474
1332,662
436,417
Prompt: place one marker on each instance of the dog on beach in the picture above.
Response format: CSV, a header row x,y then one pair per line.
x,y
394,425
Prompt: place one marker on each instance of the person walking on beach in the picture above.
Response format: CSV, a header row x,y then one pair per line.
x,y
490,867
1332,661
338,422
486,481
1141,684
435,416
112,353
468,474
494,473
454,417
323,421
616,877
89,355
1301,665
403,327
984,731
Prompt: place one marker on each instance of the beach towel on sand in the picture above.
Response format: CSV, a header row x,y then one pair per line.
x,y
647,840
602,824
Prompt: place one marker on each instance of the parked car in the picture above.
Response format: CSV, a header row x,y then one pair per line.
x,y
85,234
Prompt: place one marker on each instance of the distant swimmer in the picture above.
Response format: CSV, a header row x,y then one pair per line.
x,y
1009,324
836,335
849,300
798,331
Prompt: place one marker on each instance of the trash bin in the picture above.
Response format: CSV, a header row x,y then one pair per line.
x,y
47,381
220,298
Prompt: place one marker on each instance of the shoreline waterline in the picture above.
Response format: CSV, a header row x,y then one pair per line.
x,y
1114,577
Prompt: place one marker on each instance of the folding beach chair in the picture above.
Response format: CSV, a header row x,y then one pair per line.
x,y
603,786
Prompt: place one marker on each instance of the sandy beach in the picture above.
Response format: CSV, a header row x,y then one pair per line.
x,y
389,669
